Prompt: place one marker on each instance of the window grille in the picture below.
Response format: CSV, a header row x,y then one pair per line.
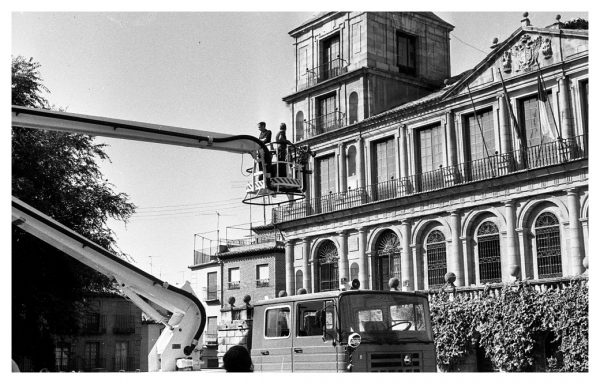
x,y
387,258
488,249
547,242
436,259
327,257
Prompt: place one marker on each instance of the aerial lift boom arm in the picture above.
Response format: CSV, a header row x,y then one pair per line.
x,y
185,325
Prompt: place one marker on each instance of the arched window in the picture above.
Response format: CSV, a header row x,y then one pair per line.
x,y
353,106
353,271
351,159
488,251
435,246
547,245
387,259
327,259
299,280
299,126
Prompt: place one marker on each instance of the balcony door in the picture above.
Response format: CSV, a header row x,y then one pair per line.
x,y
384,169
326,116
330,66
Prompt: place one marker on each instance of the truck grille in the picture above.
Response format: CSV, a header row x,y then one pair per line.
x,y
396,362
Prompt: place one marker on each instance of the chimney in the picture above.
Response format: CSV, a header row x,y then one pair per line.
x,y
525,21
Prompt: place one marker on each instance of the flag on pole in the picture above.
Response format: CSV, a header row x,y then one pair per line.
x,y
547,123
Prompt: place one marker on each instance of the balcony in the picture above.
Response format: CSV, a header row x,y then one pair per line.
x,y
124,324
254,239
326,71
324,123
233,285
261,283
539,156
93,324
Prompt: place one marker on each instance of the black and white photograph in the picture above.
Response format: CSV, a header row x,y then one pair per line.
x,y
255,190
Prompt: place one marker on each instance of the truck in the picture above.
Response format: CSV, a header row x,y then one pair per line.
x,y
353,330
340,331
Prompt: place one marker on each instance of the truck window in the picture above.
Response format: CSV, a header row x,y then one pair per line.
x,y
310,318
277,322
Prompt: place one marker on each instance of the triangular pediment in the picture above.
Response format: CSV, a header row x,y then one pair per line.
x,y
521,53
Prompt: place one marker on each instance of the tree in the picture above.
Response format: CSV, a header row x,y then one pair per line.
x,y
58,174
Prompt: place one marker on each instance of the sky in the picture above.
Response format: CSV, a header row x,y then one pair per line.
x,y
213,71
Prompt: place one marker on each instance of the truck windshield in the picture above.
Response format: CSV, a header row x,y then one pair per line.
x,y
385,318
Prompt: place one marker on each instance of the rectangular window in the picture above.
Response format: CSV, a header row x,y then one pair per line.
x,y
121,348
61,356
211,329
312,316
584,90
384,163
431,153
234,278
211,286
277,322
327,117
480,128
326,172
405,51
330,59
262,275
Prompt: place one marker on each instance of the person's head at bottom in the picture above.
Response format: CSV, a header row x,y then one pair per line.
x,y
237,359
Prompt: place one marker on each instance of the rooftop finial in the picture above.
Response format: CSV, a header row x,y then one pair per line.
x,y
557,17
494,43
525,21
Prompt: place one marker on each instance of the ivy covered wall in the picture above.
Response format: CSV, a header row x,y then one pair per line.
x,y
511,329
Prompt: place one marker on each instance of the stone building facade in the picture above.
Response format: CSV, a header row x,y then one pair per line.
x,y
459,176
112,338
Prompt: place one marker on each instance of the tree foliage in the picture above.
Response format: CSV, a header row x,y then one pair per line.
x,y
578,23
510,328
58,174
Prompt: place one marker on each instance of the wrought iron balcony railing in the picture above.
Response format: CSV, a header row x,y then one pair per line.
x,y
261,283
318,74
539,156
124,324
93,324
324,123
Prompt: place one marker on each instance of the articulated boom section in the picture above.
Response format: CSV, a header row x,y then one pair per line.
x,y
185,325
273,179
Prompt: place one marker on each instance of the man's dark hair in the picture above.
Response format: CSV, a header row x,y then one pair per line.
x,y
237,359
262,124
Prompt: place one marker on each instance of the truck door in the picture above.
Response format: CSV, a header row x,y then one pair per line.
x,y
271,347
309,351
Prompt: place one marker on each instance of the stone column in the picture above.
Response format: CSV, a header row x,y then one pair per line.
x,y
418,273
344,269
575,234
467,254
586,237
342,178
455,264
306,280
363,267
525,251
564,108
360,162
504,117
289,267
451,135
403,151
406,258
512,270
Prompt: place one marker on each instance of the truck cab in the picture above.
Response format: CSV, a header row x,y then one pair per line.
x,y
341,331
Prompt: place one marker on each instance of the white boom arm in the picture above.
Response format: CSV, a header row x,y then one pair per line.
x,y
132,130
188,319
